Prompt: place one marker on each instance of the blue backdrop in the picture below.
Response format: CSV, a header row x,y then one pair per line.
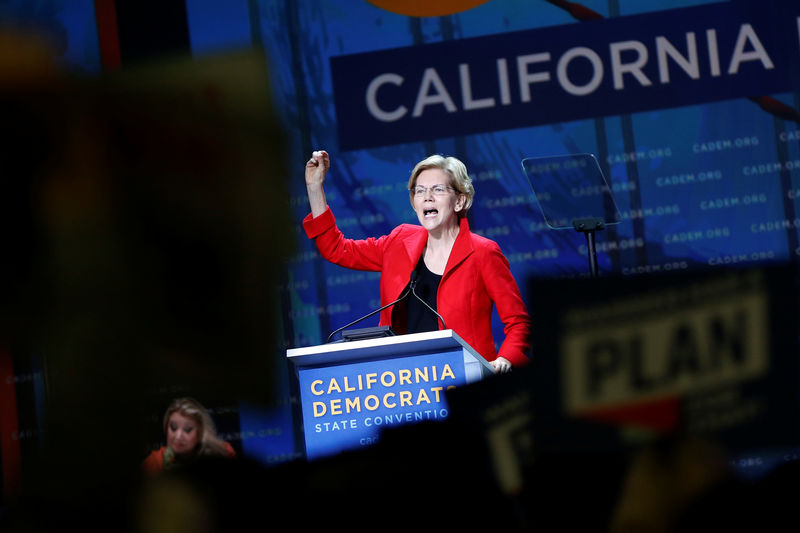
x,y
689,105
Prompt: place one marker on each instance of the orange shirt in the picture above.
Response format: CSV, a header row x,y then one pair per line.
x,y
154,463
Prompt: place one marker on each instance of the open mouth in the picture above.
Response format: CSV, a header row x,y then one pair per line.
x,y
430,213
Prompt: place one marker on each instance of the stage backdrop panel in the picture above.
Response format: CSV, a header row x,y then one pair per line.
x,y
688,106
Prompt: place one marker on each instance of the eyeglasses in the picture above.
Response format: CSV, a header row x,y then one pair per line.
x,y
437,190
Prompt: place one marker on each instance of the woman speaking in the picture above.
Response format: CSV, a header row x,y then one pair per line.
x,y
459,274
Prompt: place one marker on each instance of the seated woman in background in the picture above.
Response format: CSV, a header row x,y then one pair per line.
x,y
190,434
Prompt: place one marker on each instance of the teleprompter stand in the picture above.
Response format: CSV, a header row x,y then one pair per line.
x,y
573,193
588,226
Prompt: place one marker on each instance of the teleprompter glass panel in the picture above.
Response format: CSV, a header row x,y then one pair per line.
x,y
571,188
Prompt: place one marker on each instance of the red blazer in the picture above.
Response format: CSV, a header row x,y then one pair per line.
x,y
476,276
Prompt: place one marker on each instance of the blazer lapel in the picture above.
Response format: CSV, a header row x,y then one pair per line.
x,y
461,248
413,246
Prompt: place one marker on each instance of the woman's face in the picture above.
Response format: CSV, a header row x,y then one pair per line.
x,y
436,211
182,433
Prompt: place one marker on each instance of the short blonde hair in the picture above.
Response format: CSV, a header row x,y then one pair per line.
x,y
457,172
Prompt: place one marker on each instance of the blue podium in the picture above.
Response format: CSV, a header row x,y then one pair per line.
x,y
350,391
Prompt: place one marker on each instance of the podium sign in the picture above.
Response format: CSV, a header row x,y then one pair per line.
x,y
350,391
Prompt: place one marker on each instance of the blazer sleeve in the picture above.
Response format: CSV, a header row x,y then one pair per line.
x,y
364,254
504,292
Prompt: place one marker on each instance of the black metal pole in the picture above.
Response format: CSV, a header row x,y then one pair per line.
x,y
588,226
592,251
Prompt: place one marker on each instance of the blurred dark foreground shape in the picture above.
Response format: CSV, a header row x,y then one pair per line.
x,y
144,220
